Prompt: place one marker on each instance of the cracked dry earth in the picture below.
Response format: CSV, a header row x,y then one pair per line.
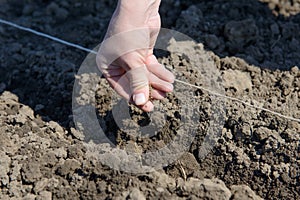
x,y
256,154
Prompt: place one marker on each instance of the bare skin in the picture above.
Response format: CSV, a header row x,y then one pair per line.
x,y
126,56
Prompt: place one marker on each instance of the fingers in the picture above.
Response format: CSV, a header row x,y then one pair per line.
x,y
134,85
148,107
159,70
160,84
121,85
160,78
139,85
138,92
113,72
157,95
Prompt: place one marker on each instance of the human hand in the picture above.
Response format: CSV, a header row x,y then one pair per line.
x,y
126,55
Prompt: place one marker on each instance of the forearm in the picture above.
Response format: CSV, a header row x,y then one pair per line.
x,y
138,12
132,33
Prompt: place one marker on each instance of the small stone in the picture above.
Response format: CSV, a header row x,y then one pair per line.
x,y
56,127
15,188
212,41
189,163
207,188
242,32
44,195
285,178
53,182
40,185
276,174
266,169
69,166
31,172
273,142
262,133
192,16
136,194
160,189
29,197
243,192
237,79
60,153
39,107
77,134
164,180
275,29
20,119
9,96
295,71
26,111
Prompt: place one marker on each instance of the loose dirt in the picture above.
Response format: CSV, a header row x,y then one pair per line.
x,y
253,45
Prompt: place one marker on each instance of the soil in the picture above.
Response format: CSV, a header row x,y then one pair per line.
x,y
253,45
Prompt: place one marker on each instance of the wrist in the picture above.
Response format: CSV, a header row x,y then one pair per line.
x,y
138,9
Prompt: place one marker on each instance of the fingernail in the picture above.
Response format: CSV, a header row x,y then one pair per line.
x,y
171,87
139,99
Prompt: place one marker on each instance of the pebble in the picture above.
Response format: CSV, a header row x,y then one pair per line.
x,y
207,188
262,133
192,16
241,31
56,127
39,107
243,192
69,166
164,180
77,134
29,197
212,41
275,29
26,111
160,189
237,79
136,194
31,172
40,185
60,152
44,195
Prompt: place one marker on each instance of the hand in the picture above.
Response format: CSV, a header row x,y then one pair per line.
x,y
126,55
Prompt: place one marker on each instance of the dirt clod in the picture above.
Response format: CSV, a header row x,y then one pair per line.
x,y
254,45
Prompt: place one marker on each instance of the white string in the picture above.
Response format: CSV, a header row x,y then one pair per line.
x,y
47,36
240,101
94,52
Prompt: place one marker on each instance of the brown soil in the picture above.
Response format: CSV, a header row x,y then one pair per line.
x,y
255,48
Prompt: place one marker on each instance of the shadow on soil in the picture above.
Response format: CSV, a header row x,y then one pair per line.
x,y
245,29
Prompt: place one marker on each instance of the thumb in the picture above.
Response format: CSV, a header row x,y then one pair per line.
x,y
139,85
